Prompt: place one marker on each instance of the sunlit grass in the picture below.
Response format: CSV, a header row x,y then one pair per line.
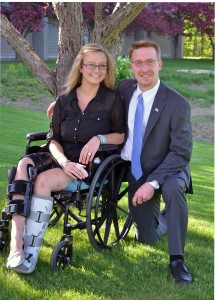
x,y
130,270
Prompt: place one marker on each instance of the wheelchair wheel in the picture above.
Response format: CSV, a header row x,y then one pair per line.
x,y
108,219
4,239
61,256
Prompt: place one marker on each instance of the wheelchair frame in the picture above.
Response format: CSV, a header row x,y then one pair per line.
x,y
103,204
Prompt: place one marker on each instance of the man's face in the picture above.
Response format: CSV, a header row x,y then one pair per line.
x,y
146,66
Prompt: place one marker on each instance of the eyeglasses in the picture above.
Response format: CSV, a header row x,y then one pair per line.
x,y
93,67
148,63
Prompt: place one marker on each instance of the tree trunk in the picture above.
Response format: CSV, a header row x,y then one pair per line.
x,y
212,45
70,38
175,45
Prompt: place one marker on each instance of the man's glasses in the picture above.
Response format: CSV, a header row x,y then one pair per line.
x,y
93,67
148,63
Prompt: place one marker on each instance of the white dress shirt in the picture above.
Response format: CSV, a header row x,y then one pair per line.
x,y
148,99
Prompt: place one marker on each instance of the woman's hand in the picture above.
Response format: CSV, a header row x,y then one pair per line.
x,y
75,170
89,150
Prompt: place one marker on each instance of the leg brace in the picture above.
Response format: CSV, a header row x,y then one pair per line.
x,y
20,187
42,162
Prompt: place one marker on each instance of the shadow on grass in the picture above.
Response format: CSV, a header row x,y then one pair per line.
x,y
127,271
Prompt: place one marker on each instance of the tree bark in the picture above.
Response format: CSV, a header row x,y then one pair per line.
x,y
28,55
70,38
107,31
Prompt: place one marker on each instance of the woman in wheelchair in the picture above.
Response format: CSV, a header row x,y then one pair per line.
x,y
88,114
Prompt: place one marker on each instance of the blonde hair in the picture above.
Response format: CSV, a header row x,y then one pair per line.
x,y
75,76
144,44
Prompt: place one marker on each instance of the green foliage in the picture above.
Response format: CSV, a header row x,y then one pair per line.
x,y
197,45
122,69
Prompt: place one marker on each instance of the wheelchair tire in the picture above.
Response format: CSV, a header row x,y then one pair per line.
x,y
108,219
62,256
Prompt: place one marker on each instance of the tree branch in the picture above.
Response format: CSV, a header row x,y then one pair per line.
x,y
122,17
108,32
98,14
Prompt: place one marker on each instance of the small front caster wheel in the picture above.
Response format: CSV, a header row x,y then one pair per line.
x,y
61,256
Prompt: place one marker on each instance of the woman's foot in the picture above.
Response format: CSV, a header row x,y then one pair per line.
x,y
16,256
15,259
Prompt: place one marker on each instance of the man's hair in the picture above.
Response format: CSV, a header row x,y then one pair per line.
x,y
144,44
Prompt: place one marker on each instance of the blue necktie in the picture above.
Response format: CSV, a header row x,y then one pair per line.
x,y
137,140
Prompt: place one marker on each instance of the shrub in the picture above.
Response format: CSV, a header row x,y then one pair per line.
x,y
123,69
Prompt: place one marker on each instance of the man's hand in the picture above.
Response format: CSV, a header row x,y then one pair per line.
x,y
143,194
50,110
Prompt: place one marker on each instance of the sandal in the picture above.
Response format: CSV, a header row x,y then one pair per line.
x,y
26,267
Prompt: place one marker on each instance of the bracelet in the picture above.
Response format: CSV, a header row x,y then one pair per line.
x,y
102,138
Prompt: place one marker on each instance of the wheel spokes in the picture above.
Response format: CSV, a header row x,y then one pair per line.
x,y
108,209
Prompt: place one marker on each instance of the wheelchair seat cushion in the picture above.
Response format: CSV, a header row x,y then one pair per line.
x,y
73,186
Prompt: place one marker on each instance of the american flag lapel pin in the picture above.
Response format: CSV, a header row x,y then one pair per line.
x,y
156,109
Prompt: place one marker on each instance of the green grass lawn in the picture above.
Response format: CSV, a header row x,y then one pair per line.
x,y
192,86
130,271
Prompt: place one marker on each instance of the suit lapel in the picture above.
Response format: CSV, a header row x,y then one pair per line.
x,y
156,110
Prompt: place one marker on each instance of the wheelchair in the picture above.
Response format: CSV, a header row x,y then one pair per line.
x,y
99,206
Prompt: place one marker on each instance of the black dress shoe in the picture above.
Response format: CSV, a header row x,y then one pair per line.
x,y
180,272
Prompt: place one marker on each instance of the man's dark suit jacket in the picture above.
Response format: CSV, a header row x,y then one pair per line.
x,y
167,143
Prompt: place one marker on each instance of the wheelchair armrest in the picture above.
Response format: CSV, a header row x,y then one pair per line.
x,y
108,147
36,136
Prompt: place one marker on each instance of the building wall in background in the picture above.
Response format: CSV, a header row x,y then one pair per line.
x,y
45,43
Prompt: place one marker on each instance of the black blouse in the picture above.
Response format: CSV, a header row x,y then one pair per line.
x,y
73,128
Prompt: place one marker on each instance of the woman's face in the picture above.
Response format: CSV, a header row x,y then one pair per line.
x,y
94,67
